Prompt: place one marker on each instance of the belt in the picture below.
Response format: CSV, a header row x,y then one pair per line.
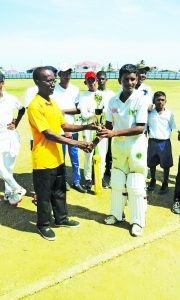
x,y
159,141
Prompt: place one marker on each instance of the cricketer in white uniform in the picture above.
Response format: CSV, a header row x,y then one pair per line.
x,y
67,96
143,88
87,106
9,143
126,117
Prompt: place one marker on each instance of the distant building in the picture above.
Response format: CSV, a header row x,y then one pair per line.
x,y
87,65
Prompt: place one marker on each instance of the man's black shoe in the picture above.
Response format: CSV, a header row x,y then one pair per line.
x,y
151,185
88,185
68,223
79,188
67,187
47,233
164,188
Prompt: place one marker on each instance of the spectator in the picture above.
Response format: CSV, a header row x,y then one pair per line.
x,y
160,124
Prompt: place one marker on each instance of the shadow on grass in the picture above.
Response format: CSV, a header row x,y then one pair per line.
x,y
166,199
23,179
21,218
18,218
85,213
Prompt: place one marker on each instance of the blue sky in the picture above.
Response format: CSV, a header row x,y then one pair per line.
x,y
40,32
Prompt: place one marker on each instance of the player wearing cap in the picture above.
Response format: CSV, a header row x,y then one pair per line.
x,y
67,97
126,117
87,106
9,143
143,88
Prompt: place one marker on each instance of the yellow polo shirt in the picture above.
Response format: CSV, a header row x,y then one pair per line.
x,y
45,115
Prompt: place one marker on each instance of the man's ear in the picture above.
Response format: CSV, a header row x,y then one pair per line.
x,y
36,81
119,80
85,82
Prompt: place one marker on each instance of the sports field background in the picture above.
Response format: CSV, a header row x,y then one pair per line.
x,y
23,161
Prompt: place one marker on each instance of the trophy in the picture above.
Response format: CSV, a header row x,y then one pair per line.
x,y
99,111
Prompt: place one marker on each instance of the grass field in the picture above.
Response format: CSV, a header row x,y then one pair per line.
x,y
23,162
145,268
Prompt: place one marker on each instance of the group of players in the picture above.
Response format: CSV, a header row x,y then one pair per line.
x,y
128,116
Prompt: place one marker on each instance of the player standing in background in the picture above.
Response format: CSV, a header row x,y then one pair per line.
x,y
67,97
143,88
107,95
87,106
176,204
9,143
160,124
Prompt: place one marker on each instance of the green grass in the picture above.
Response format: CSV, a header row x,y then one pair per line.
x,y
23,161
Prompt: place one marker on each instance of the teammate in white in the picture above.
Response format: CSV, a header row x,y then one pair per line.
x,y
160,124
126,117
107,95
87,106
67,97
143,88
9,143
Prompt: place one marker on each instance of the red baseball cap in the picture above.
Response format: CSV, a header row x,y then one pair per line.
x,y
90,74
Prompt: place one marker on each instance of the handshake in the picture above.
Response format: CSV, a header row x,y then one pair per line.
x,y
101,132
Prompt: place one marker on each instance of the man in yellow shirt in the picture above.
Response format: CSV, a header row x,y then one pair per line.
x,y
46,119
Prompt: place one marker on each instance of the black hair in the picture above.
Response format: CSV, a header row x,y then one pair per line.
x,y
37,71
158,94
128,68
101,73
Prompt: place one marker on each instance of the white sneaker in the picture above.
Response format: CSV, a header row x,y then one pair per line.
x,y
110,220
136,230
17,196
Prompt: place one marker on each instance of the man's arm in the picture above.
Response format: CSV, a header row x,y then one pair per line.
x,y
16,121
70,111
73,128
57,138
108,133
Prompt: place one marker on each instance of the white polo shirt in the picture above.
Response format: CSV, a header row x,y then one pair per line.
x,y
161,125
106,96
8,104
30,94
127,114
87,106
146,92
67,99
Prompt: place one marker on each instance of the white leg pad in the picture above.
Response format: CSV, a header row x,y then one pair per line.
x,y
119,193
136,195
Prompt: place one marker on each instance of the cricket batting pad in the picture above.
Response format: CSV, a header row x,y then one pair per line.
x,y
118,194
136,195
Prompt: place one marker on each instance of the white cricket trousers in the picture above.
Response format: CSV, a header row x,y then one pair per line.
x,y
6,172
88,136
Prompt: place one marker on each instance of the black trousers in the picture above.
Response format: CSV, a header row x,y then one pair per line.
x,y
50,188
177,185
